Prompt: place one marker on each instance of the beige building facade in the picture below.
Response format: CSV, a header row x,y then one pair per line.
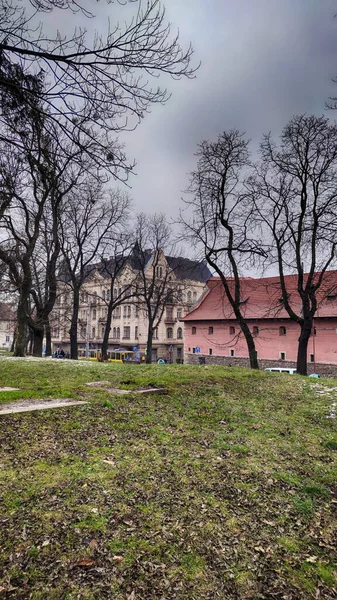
x,y
129,324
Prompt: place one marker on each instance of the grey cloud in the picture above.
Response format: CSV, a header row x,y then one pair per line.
x,y
262,62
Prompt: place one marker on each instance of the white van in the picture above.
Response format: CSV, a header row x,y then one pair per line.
x,y
281,370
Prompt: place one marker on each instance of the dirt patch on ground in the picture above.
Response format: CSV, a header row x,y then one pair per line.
x,y
30,405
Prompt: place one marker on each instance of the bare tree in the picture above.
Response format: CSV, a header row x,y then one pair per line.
x,y
35,177
113,268
220,224
295,202
89,222
155,280
96,86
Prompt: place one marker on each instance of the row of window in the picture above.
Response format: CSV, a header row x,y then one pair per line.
x,y
255,330
126,291
232,354
116,333
169,333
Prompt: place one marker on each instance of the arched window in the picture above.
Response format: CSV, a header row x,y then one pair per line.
x,y
232,330
169,332
179,333
94,314
255,330
189,297
194,296
114,332
118,333
210,331
194,330
283,331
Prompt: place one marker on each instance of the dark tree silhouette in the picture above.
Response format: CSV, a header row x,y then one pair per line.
x,y
220,221
95,86
89,222
295,202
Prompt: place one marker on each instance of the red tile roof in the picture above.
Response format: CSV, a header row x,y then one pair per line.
x,y
261,299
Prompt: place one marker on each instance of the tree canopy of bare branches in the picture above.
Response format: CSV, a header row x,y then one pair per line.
x,y
220,219
90,223
295,201
94,86
155,275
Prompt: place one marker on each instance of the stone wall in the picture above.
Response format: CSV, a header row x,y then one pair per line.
x,y
325,370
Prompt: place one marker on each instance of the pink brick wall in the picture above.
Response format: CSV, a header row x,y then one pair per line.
x,y
269,342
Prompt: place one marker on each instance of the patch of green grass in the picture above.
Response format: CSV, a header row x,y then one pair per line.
x,y
228,474
331,444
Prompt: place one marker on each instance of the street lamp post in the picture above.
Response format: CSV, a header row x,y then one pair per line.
x,y
87,336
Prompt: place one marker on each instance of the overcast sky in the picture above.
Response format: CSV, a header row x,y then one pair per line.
x,y
262,62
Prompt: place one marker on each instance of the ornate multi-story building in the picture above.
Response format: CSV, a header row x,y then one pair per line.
x,y
185,283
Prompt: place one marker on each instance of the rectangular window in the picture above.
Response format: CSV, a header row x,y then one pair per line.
x,y
129,311
7,338
179,314
94,332
312,358
210,351
125,308
210,331
194,330
232,352
137,311
193,350
136,332
282,355
126,335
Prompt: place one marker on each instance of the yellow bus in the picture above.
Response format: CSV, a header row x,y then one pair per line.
x,y
118,355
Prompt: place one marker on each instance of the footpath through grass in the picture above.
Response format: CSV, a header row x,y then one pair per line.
x,y
224,487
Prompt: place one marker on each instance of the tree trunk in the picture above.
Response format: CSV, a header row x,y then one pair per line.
x,y
48,337
37,333
21,330
30,341
107,332
14,339
73,325
302,350
148,359
250,344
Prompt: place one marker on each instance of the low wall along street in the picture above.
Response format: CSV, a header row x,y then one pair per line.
x,y
325,370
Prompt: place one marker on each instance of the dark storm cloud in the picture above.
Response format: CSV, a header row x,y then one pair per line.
x,y
262,62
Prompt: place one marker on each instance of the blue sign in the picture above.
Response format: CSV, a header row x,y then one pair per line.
x,y
197,350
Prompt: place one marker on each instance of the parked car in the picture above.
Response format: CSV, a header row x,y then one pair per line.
x,y
288,370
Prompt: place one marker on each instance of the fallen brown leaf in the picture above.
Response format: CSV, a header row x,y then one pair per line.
x,y
117,559
85,562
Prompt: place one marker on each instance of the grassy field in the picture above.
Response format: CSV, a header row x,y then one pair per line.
x,y
222,487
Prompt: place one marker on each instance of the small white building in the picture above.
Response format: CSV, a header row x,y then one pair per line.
x,y
7,325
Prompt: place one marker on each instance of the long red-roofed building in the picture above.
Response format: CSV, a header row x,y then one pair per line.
x,y
211,328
